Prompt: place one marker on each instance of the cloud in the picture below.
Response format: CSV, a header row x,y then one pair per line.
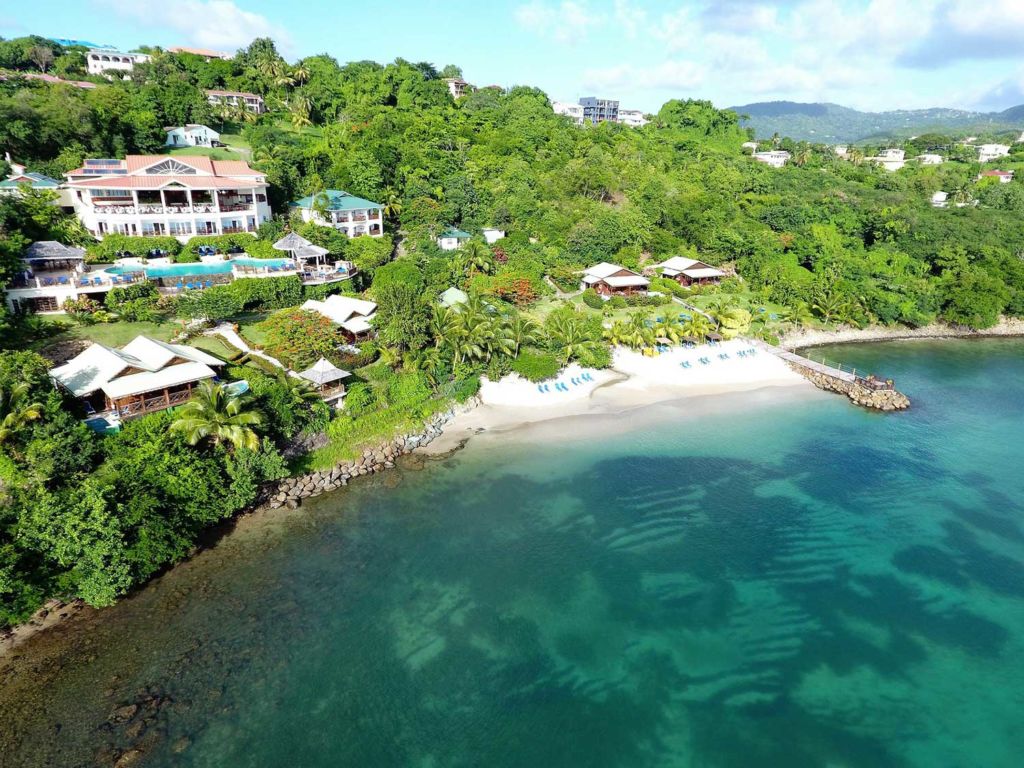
x,y
671,75
630,18
567,22
963,29
218,24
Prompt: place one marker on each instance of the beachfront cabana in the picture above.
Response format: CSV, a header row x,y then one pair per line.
x,y
690,271
327,379
613,280
144,376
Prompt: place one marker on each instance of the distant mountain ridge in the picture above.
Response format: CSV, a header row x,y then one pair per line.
x,y
828,123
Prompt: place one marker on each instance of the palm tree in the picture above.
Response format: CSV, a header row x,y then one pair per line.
x,y
522,331
963,195
300,73
697,327
568,332
733,321
216,413
392,205
299,391
15,413
299,108
477,257
618,334
241,114
444,325
829,304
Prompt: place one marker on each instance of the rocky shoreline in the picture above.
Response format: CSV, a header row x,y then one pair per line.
x,y
804,337
880,400
288,492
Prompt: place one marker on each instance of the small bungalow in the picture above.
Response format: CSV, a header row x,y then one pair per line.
x,y
940,199
929,158
493,235
352,314
776,158
690,271
191,135
1004,177
453,298
143,377
452,239
613,280
327,379
18,179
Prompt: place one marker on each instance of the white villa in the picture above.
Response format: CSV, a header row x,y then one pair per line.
x,y
613,280
890,159
191,135
567,109
751,145
352,314
493,235
452,239
350,214
989,152
458,87
841,150
100,61
929,159
690,271
634,118
144,376
253,102
940,199
776,158
157,195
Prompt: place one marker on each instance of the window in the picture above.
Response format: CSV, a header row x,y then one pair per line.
x,y
170,168
261,198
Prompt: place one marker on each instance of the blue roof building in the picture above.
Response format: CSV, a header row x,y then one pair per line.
x,y
352,215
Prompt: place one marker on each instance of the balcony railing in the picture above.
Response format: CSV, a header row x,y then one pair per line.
x,y
236,230
228,208
154,403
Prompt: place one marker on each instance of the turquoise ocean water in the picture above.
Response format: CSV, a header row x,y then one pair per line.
x,y
777,579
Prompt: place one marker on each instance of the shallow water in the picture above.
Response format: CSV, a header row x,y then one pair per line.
x,y
789,582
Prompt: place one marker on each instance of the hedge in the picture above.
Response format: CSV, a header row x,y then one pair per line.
x,y
536,366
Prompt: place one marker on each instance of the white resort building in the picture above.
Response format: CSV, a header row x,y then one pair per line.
x,y
144,376
989,152
100,61
158,195
191,135
776,158
929,159
889,159
634,118
53,273
458,87
567,109
253,102
352,215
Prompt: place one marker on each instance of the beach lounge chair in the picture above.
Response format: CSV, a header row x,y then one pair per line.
x,y
540,389
723,356
190,286
704,361
62,280
208,284
97,281
686,364
83,283
547,388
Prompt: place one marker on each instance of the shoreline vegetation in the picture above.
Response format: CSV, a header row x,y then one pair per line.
x,y
804,338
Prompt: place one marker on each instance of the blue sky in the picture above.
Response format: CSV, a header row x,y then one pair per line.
x,y
869,54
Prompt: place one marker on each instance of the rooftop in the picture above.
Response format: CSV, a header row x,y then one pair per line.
x,y
458,234
31,178
336,200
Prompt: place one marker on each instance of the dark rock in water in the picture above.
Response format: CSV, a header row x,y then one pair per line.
x,y
292,503
124,714
129,758
135,730
181,744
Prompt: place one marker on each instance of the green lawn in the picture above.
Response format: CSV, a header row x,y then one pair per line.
x,y
216,153
215,346
109,334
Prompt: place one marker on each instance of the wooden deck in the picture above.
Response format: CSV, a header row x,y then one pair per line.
x,y
811,365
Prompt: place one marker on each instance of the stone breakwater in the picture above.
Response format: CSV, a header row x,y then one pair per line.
x,y
877,399
292,490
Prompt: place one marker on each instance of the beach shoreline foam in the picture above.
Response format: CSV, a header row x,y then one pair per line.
x,y
633,381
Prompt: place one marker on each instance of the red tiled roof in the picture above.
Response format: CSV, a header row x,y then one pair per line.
x,y
234,168
136,163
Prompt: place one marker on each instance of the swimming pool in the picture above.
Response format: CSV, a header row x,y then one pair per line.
x,y
196,268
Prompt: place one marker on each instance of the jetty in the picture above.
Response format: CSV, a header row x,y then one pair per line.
x,y
867,391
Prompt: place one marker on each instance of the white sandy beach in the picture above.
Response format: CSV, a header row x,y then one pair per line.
x,y
634,380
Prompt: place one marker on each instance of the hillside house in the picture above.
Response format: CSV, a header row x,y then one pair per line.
x,y
251,101
690,271
345,212
989,152
452,239
352,314
191,135
776,158
613,280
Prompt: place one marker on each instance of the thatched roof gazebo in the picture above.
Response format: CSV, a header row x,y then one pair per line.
x,y
327,379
